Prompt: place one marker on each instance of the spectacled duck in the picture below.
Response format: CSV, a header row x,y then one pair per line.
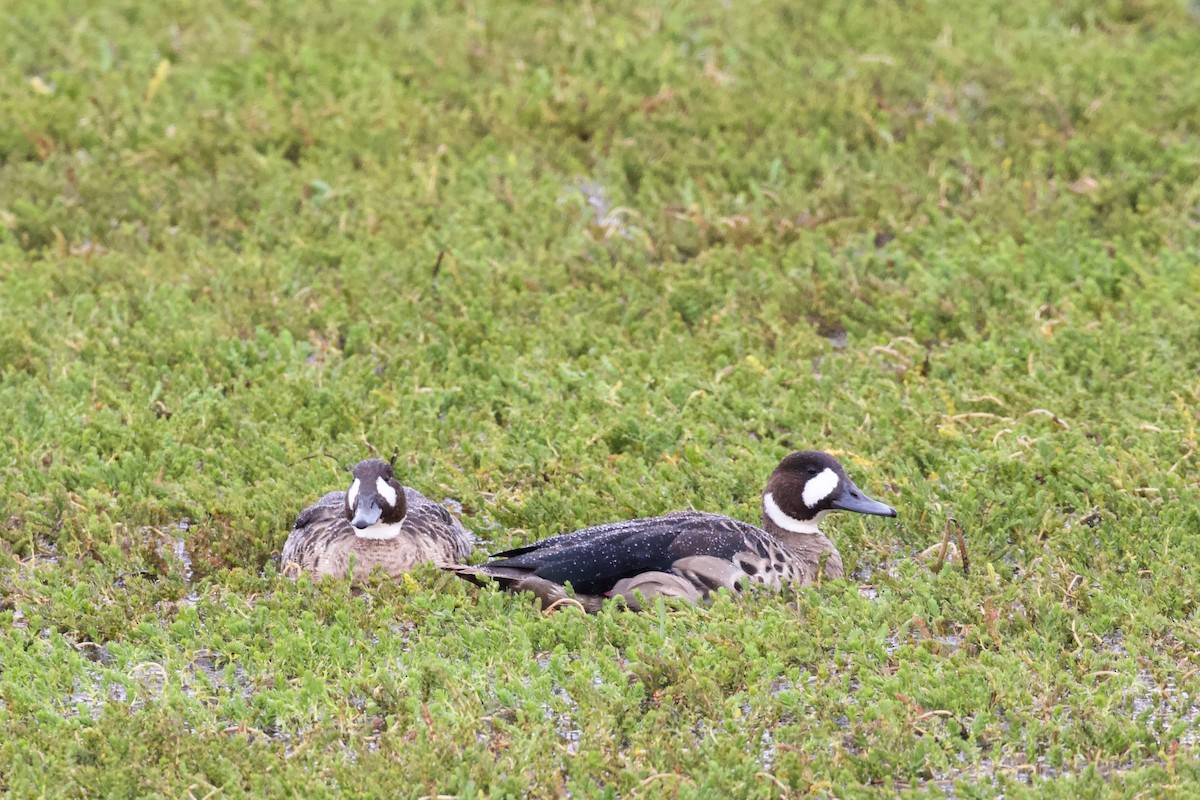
x,y
688,554
376,523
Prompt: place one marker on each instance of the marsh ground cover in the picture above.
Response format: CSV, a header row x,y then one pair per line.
x,y
581,263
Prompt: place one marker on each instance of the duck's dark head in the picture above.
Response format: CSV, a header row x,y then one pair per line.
x,y
808,485
375,503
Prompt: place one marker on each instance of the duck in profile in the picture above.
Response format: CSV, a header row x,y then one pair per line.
x,y
689,554
376,523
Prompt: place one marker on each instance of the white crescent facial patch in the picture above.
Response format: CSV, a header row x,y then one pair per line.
x,y
385,490
819,487
352,495
783,520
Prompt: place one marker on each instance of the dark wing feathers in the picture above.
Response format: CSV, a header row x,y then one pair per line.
x,y
561,540
593,567
427,518
594,559
333,500
317,526
423,513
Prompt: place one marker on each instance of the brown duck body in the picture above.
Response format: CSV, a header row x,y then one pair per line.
x,y
686,554
689,554
323,542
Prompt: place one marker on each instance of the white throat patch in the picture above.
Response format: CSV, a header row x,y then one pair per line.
x,y
819,487
776,514
380,530
352,495
385,490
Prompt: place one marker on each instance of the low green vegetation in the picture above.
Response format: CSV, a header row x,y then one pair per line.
x,y
579,263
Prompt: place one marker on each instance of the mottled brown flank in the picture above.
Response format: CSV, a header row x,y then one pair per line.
x,y
323,543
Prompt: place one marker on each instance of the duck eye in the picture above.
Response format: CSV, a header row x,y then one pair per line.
x,y
812,471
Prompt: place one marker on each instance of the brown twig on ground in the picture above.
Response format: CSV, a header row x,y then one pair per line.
x,y
428,720
564,601
1044,412
975,415
962,546
658,776
895,354
941,559
436,271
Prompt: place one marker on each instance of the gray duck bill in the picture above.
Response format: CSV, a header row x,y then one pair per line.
x,y
853,499
368,514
